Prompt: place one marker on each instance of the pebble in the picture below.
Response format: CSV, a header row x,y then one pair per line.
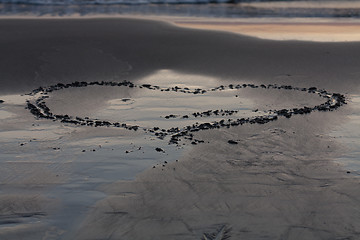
x,y
159,149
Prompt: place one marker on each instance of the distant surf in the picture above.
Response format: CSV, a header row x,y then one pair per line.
x,y
204,8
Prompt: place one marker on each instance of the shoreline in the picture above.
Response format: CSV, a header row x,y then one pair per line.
x,y
279,29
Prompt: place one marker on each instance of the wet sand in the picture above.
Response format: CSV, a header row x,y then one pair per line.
x,y
280,180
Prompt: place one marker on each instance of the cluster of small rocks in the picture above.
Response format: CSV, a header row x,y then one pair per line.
x,y
217,112
40,110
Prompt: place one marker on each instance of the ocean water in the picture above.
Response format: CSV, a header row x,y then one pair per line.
x,y
198,8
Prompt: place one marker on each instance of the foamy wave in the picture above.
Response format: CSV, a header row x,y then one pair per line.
x,y
207,8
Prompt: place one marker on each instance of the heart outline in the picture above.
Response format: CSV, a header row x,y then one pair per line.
x,y
40,110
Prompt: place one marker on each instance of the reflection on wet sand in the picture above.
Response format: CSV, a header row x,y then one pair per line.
x,y
349,135
299,31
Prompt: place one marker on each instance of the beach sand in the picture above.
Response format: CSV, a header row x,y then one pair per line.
x,y
281,180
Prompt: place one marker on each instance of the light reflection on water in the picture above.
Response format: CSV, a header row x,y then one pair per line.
x,y
349,136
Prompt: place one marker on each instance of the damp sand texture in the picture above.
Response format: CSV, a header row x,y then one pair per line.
x,y
276,180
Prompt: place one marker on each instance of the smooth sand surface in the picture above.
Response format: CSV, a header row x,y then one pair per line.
x,y
281,180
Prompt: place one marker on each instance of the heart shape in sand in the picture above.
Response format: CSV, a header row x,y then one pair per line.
x,y
185,122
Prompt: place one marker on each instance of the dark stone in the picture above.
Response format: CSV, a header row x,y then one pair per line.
x,y
170,116
232,142
159,149
147,85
